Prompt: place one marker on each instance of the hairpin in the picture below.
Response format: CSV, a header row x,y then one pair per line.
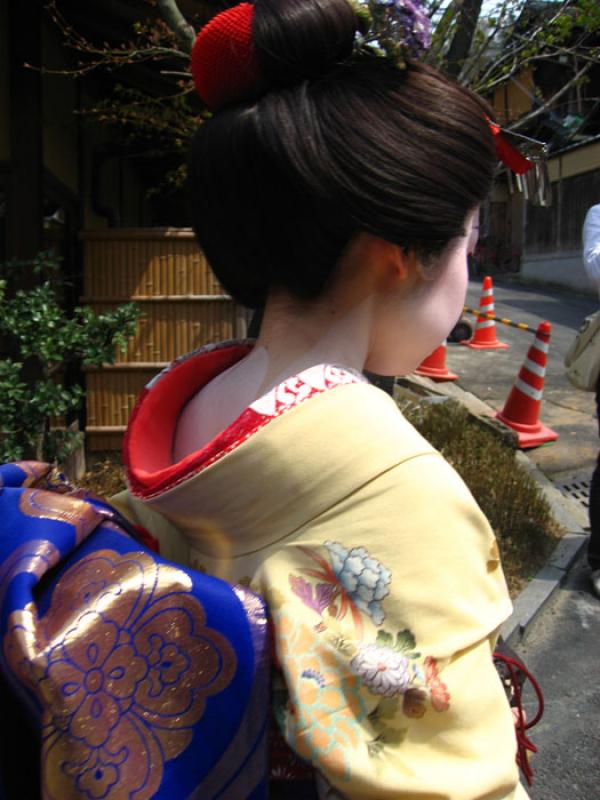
x,y
531,176
508,154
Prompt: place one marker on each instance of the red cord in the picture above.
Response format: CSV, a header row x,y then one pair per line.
x,y
524,744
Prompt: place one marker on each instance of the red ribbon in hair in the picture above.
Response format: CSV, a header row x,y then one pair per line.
x,y
224,64
508,154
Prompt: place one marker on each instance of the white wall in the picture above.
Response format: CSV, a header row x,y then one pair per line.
x,y
565,269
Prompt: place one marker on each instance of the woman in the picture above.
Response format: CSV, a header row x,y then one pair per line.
x,y
341,191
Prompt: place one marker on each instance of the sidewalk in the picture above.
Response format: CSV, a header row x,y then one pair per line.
x,y
556,623
490,374
562,649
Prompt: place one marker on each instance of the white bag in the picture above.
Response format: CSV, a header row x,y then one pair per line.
x,y
583,359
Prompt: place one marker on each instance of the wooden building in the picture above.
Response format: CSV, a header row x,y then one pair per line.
x,y
552,236
70,184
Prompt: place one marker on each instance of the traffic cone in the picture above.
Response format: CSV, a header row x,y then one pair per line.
x,y
485,331
434,366
521,411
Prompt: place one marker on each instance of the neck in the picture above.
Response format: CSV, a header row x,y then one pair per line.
x,y
296,335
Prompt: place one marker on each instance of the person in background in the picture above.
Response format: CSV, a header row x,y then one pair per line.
x,y
591,262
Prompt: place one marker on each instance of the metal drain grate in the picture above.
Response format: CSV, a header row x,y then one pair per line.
x,y
578,490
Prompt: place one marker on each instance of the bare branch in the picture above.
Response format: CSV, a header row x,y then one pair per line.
x,y
175,73
514,51
546,105
443,29
519,65
434,7
471,63
474,61
460,46
177,22
147,46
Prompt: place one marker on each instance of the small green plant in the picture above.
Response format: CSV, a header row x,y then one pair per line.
x,y
42,340
508,496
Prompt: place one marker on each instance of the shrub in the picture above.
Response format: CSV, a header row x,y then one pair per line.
x,y
43,340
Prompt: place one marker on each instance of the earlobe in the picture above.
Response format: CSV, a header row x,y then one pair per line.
x,y
389,264
400,258
405,264
399,266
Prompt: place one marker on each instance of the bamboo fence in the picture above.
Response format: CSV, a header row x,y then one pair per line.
x,y
182,304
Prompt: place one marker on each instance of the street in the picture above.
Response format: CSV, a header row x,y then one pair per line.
x,y
490,374
562,650
562,645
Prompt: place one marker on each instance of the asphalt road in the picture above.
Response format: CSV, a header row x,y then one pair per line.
x,y
490,374
562,649
562,645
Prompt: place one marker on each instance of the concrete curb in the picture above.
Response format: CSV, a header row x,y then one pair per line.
x,y
566,512
542,586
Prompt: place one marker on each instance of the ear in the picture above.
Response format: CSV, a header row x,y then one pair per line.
x,y
389,263
405,263
400,267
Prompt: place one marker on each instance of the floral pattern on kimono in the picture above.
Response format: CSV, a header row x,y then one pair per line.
x,y
347,672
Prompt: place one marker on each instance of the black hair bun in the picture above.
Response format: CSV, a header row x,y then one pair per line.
x,y
297,40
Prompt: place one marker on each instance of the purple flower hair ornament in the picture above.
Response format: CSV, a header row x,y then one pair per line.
x,y
393,29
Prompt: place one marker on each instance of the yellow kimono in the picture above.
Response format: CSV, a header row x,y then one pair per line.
x,y
382,576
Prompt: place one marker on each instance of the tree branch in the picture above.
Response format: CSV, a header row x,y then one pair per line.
x,y
171,14
460,46
472,64
151,43
519,66
546,105
513,51
434,7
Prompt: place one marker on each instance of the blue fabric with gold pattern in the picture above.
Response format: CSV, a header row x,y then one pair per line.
x,y
147,679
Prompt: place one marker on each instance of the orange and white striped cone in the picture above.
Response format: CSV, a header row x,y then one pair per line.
x,y
434,366
521,411
485,331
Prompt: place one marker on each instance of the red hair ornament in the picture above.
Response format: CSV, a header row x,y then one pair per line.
x,y
508,154
224,64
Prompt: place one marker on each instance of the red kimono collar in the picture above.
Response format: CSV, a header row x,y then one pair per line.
x,y
147,448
